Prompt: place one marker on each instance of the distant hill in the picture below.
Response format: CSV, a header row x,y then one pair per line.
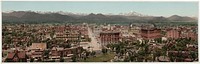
x,y
34,17
180,18
31,17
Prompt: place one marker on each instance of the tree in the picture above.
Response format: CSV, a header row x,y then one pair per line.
x,y
112,46
89,39
132,58
171,57
93,53
163,32
39,60
154,55
158,40
193,55
68,45
46,53
104,50
127,59
87,53
157,53
122,51
164,49
118,49
108,45
31,60
74,58
61,59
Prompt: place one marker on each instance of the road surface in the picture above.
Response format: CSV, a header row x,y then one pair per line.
x,y
94,45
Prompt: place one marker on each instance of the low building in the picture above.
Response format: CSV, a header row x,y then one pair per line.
x,y
151,33
36,54
41,46
189,34
181,33
17,56
55,54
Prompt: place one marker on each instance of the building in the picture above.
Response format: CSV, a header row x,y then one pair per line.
x,y
17,56
109,37
71,35
181,33
41,46
151,33
135,30
37,50
37,54
173,33
189,34
55,53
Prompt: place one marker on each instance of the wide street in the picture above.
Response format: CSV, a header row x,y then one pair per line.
x,y
94,43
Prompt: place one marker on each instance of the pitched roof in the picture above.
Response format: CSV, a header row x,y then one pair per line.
x,y
10,55
55,53
21,54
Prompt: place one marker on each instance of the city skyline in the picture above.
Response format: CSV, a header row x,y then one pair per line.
x,y
69,31
146,8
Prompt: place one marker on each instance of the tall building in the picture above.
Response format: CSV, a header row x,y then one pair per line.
x,y
109,37
173,33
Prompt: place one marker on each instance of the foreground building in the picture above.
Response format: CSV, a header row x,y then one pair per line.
x,y
17,56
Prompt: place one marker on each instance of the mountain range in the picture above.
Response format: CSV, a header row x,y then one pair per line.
x,y
63,17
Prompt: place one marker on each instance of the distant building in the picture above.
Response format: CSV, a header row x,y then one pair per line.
x,y
189,34
151,33
193,35
134,30
109,37
173,33
181,33
68,35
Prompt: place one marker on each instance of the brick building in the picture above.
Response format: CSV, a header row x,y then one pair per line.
x,y
109,37
150,33
189,34
181,33
173,33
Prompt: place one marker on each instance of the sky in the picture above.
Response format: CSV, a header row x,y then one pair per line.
x,y
147,8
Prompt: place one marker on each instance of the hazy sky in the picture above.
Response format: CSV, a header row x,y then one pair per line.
x,y
148,8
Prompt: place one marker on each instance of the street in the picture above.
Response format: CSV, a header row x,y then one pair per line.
x,y
94,43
